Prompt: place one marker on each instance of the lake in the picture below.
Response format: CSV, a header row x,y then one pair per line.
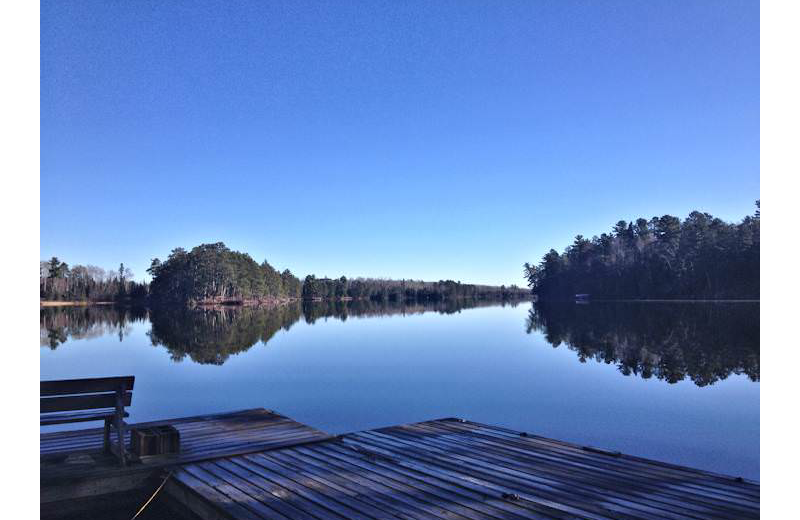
x,y
677,382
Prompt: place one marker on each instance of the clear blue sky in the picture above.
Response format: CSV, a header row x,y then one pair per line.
x,y
423,140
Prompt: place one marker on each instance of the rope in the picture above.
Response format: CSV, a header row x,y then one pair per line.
x,y
152,496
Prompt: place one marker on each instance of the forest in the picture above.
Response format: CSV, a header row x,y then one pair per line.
x,y
403,290
212,274
60,282
701,257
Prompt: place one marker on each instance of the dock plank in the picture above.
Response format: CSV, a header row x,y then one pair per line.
x,y
665,475
464,470
673,497
585,486
391,496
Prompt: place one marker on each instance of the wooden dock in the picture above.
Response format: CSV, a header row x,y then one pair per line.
x,y
454,469
72,464
258,464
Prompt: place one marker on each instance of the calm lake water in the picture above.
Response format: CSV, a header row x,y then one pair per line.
x,y
670,381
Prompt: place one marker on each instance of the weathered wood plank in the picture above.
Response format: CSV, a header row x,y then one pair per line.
x,y
229,493
626,463
255,476
286,489
725,479
82,402
339,479
240,477
597,478
493,477
376,484
66,418
579,485
680,494
299,484
478,500
202,493
337,487
86,386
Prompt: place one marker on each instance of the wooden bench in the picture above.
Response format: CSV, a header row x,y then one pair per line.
x,y
98,399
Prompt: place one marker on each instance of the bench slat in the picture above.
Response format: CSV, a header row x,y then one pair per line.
x,y
82,402
64,418
85,386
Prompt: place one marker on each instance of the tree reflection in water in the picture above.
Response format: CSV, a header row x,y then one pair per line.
x,y
58,324
705,342
210,335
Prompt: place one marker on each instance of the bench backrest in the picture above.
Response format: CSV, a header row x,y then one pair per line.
x,y
84,394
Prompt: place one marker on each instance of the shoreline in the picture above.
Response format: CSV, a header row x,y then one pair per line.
x,y
51,303
254,303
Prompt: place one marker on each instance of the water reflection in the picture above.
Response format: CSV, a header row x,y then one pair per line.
x,y
341,310
210,335
705,342
59,324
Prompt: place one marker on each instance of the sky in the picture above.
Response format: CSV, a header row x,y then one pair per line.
x,y
424,140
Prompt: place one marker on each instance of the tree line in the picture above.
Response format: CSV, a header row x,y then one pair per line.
x,y
212,274
60,282
700,257
403,290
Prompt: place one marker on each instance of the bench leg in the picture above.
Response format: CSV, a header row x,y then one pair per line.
x,y
107,436
120,424
120,427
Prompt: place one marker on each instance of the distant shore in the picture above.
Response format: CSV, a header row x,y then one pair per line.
x,y
71,303
224,302
235,302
